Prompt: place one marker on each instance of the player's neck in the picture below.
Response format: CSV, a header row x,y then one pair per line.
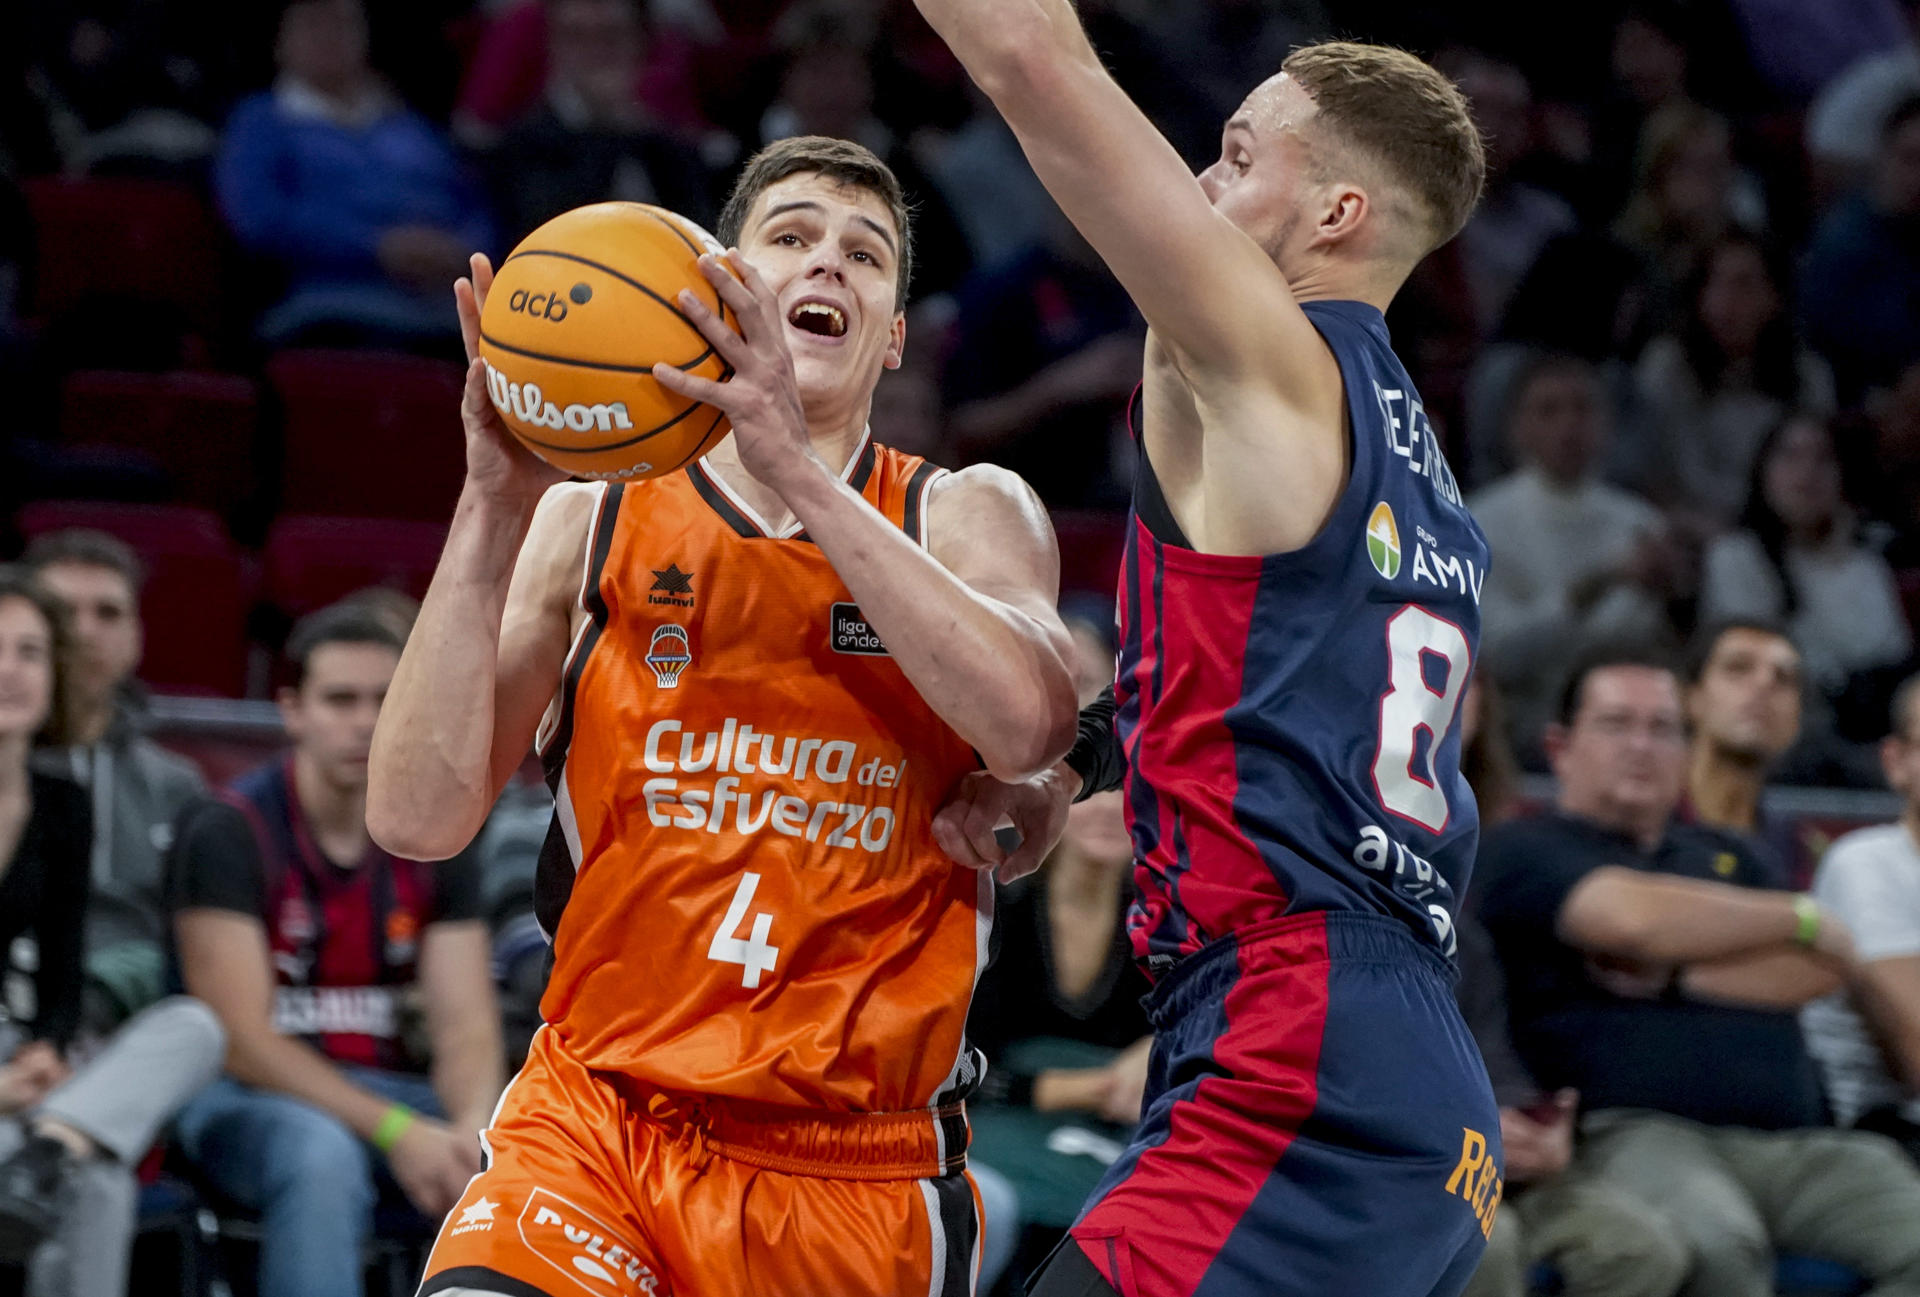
x,y
1331,281
834,443
337,816
1725,790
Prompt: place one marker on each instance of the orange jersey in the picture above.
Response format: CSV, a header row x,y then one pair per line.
x,y
741,884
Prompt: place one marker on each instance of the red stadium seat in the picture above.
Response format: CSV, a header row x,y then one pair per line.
x,y
141,239
201,427
1091,542
369,434
311,561
197,595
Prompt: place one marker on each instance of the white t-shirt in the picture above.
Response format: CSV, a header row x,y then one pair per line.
x,y
1871,880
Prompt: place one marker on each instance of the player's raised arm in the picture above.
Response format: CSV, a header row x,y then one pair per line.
x,y
486,653
1207,288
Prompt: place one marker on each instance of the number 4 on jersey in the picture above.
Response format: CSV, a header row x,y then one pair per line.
x,y
752,953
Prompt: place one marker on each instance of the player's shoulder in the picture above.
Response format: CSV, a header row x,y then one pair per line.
x,y
979,494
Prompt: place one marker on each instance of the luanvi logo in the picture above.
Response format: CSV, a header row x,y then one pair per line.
x,y
671,586
848,632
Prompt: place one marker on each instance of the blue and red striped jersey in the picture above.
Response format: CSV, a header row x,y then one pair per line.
x,y
1291,721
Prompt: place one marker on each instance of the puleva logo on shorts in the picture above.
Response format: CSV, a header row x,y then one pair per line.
x,y
669,652
592,1256
1383,541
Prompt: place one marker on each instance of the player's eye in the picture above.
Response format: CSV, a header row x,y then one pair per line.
x,y
788,240
867,257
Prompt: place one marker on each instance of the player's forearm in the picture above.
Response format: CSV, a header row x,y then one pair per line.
x,y
467,1071
261,1057
1784,979
430,776
997,41
987,669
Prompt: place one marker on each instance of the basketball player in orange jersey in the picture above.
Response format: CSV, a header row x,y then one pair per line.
x,y
1300,608
753,683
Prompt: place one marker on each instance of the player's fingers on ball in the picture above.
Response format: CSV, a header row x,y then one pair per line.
x,y
684,384
482,273
731,346
749,300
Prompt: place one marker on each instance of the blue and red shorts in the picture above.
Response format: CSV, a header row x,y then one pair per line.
x,y
1317,1121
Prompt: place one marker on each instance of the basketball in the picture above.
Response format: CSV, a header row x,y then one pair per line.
x,y
577,317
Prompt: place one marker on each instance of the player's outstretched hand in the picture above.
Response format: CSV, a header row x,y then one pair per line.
x,y
496,461
762,398
1036,808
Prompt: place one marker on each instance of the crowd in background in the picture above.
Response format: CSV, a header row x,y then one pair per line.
x,y
1674,357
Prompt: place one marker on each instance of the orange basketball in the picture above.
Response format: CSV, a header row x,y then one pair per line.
x,y
576,319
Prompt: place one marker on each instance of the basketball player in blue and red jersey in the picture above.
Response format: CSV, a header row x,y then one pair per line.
x,y
1300,609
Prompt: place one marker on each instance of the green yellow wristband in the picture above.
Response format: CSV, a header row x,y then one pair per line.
x,y
393,1124
1807,911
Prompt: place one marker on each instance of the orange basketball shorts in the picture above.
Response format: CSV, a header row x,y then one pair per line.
x,y
595,1188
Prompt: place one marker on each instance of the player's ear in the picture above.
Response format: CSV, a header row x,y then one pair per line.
x,y
1347,206
897,341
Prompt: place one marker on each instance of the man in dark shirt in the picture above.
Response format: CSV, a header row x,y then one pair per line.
x,y
1647,970
314,947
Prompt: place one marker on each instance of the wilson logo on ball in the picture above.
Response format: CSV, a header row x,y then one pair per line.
x,y
525,402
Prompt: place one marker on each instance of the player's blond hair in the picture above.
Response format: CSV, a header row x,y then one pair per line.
x,y
1400,114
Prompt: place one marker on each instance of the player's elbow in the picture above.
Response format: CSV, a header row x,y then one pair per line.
x,y
1038,733
402,830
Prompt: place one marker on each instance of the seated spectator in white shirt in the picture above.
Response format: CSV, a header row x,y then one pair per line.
x,y
1868,1043
1575,560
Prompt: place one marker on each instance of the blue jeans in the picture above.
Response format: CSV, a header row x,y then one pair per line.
x,y
311,1180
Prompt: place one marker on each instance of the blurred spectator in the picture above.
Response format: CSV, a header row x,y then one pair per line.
x,y
71,1128
1891,434
1049,349
1574,559
1860,283
1851,112
1729,372
1647,971
357,199
1798,48
999,202
1515,220
510,68
322,954
1649,65
1743,703
1599,1241
1687,193
1868,1043
590,139
138,787
1224,48
1487,762
132,87
827,50
1798,559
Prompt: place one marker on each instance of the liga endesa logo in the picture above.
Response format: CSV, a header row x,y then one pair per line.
x,y
527,403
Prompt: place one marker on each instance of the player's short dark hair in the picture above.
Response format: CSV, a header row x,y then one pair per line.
x,y
1607,657
844,163
86,547
1401,113
340,623
1700,649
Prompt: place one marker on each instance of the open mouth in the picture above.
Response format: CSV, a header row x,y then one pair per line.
x,y
820,318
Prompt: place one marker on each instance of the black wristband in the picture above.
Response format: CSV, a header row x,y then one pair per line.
x,y
1096,755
